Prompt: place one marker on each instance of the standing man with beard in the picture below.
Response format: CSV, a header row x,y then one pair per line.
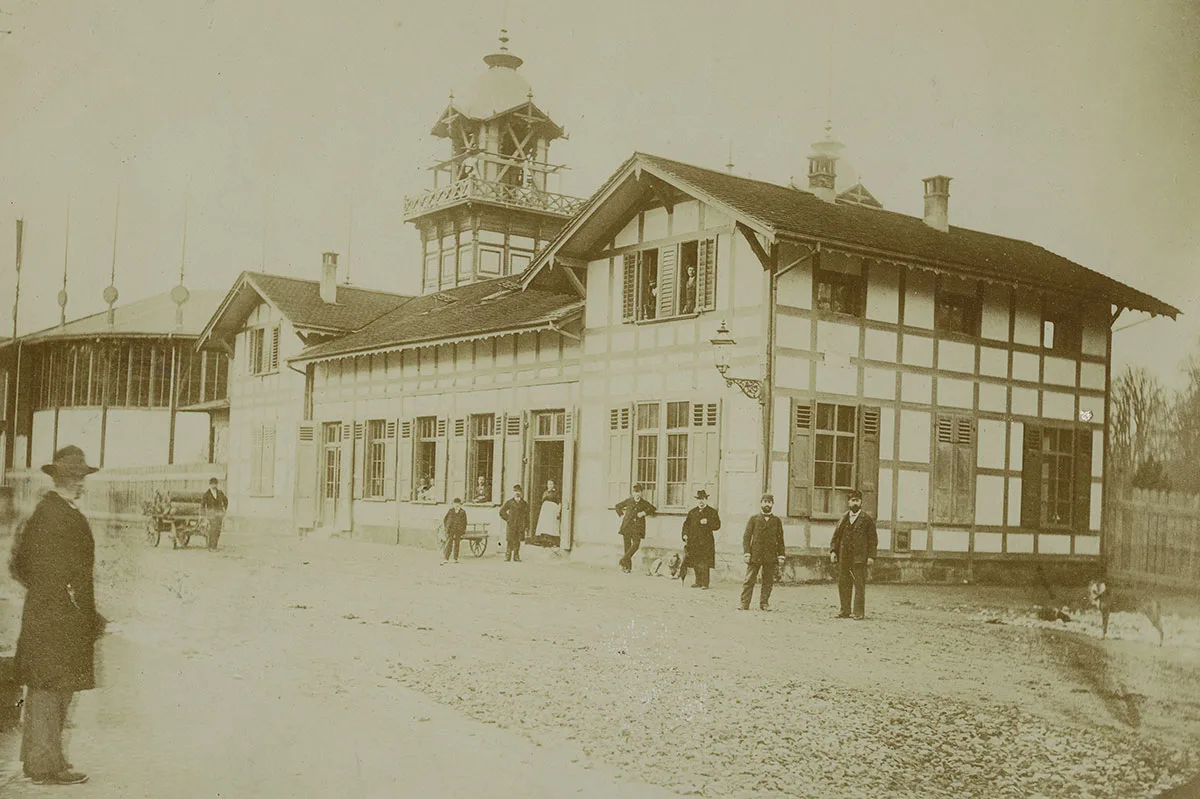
x,y
762,545
699,548
853,550
54,557
515,514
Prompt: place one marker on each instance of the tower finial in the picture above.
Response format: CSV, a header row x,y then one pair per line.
x,y
180,294
504,40
110,294
62,295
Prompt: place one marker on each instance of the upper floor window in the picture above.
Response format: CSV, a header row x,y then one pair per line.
x,y
675,280
956,311
839,292
263,348
1062,331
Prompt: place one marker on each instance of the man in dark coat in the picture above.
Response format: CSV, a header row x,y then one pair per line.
x,y
762,547
53,557
213,506
633,511
853,551
455,525
699,548
515,513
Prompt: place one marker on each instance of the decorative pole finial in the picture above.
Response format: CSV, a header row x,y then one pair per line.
x,y
729,164
504,40
62,295
110,293
180,294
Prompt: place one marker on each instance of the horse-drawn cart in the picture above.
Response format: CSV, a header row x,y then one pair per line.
x,y
476,538
176,513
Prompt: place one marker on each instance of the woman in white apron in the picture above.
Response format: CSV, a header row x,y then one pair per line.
x,y
550,512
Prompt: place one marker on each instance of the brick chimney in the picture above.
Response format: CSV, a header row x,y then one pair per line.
x,y
937,202
329,277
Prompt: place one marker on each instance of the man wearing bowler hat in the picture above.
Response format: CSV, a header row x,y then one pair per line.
x,y
53,557
633,511
699,549
853,551
762,545
213,505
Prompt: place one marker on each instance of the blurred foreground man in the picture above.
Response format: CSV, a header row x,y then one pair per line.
x,y
53,557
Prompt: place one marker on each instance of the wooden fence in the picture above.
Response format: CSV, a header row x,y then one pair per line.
x,y
116,493
1154,537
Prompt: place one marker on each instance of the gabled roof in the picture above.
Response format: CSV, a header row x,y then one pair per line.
x,y
858,195
299,301
151,317
477,310
782,212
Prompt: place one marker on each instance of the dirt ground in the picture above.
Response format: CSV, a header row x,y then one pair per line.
x,y
621,685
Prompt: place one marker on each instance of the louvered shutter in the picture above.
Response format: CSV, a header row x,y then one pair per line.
x,y
458,460
704,450
389,460
345,476
620,453
566,527
407,434
268,467
274,349
667,278
513,454
1082,512
706,275
441,458
498,458
800,460
360,459
254,486
305,509
943,471
1031,478
629,287
964,471
868,458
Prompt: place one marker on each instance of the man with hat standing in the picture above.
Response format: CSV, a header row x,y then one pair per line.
x,y
633,511
699,549
853,551
762,545
53,557
515,513
213,505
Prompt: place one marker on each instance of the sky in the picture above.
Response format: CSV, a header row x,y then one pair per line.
x,y
284,129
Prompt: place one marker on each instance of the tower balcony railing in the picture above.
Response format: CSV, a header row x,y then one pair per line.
x,y
474,188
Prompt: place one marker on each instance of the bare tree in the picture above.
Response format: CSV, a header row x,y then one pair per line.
x,y
1140,422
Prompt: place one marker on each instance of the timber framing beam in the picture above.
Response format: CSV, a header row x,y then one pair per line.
x,y
572,278
762,255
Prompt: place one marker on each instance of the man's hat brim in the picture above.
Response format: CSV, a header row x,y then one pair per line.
x,y
69,469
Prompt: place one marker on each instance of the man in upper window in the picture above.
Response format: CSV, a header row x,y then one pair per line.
x,y
853,550
633,511
687,298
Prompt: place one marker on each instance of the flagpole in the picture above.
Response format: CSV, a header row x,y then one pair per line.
x,y
10,433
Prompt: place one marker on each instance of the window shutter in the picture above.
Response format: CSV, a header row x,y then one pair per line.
x,y
620,453
458,460
566,525
359,480
274,349
405,460
943,471
256,461
305,510
514,455
1083,481
868,458
389,460
704,450
667,278
706,275
1031,478
629,287
268,467
441,474
964,471
800,459
498,458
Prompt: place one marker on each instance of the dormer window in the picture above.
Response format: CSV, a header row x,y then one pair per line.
x,y
839,292
1062,331
263,349
957,309
666,282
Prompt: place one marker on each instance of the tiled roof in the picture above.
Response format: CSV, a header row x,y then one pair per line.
x,y
786,210
489,306
300,301
153,316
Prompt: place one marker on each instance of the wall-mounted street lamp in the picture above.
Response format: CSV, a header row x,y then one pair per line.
x,y
722,344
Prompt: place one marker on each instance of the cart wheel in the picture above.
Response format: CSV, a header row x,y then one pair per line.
x,y
153,534
479,546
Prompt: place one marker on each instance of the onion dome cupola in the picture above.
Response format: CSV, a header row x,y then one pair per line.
x,y
490,206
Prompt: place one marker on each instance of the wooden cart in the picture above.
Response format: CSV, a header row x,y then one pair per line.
x,y
476,538
177,514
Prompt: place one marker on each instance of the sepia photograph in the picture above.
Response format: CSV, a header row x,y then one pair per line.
x,y
519,398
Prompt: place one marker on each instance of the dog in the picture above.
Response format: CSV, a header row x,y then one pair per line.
x,y
671,565
1108,601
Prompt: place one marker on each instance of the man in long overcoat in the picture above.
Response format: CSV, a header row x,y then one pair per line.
x,y
762,548
515,513
53,557
633,511
214,504
853,550
699,548
454,523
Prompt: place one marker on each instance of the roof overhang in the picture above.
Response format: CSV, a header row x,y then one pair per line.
x,y
233,310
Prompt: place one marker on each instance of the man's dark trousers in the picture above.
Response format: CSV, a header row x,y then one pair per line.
x,y
702,573
512,549
633,542
852,577
42,744
768,582
452,544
